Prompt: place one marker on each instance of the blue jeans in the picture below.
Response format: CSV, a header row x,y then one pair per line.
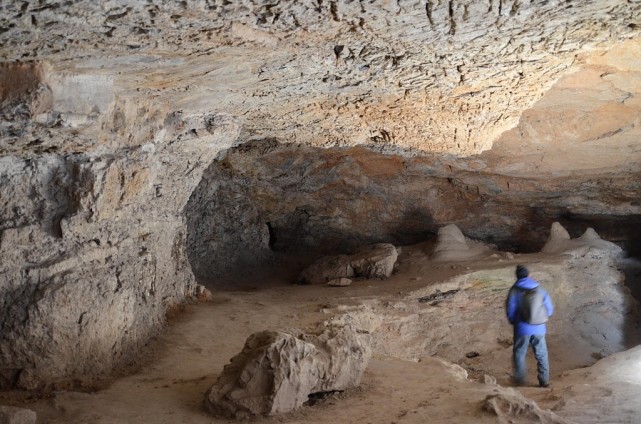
x,y
540,349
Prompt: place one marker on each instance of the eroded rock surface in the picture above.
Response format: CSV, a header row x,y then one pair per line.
x,y
438,76
463,319
265,197
277,371
375,261
339,282
92,250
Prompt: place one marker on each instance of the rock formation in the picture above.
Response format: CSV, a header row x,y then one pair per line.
x,y
559,241
339,282
439,76
374,261
93,253
452,245
277,371
326,269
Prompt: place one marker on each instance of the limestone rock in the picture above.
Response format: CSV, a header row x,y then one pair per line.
x,y
277,371
339,282
560,242
558,233
93,247
11,415
373,261
452,245
327,268
592,239
514,408
389,97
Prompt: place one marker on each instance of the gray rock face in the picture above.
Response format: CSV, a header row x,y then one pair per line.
x,y
277,371
327,268
441,76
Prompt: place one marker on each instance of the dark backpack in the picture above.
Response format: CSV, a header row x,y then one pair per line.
x,y
531,306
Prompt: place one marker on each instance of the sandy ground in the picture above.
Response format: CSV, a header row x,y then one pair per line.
x,y
189,355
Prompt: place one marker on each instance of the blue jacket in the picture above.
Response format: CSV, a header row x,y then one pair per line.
x,y
511,308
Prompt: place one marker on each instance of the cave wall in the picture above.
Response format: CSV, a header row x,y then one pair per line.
x,y
317,201
92,235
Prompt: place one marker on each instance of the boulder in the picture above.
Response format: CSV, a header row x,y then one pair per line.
x,y
339,282
373,261
277,371
327,268
452,245
11,415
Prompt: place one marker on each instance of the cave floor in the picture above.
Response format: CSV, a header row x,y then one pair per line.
x,y
187,357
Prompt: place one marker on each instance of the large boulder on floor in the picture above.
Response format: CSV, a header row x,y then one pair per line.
x,y
452,245
559,241
339,282
326,269
277,371
12,415
373,261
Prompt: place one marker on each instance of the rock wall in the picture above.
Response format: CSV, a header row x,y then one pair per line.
x,y
92,242
264,197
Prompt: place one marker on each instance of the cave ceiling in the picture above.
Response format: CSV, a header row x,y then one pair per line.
x,y
426,76
530,110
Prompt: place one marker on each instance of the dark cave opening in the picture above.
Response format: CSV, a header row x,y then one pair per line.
x,y
272,236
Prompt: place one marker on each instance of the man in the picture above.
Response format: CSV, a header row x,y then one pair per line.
x,y
530,333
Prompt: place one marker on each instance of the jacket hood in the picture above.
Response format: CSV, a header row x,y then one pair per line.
x,y
526,283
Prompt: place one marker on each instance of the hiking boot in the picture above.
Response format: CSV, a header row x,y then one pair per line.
x,y
544,384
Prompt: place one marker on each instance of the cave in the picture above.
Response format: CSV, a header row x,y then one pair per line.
x,y
169,169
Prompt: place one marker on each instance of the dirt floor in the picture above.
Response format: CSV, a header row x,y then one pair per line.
x,y
406,385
